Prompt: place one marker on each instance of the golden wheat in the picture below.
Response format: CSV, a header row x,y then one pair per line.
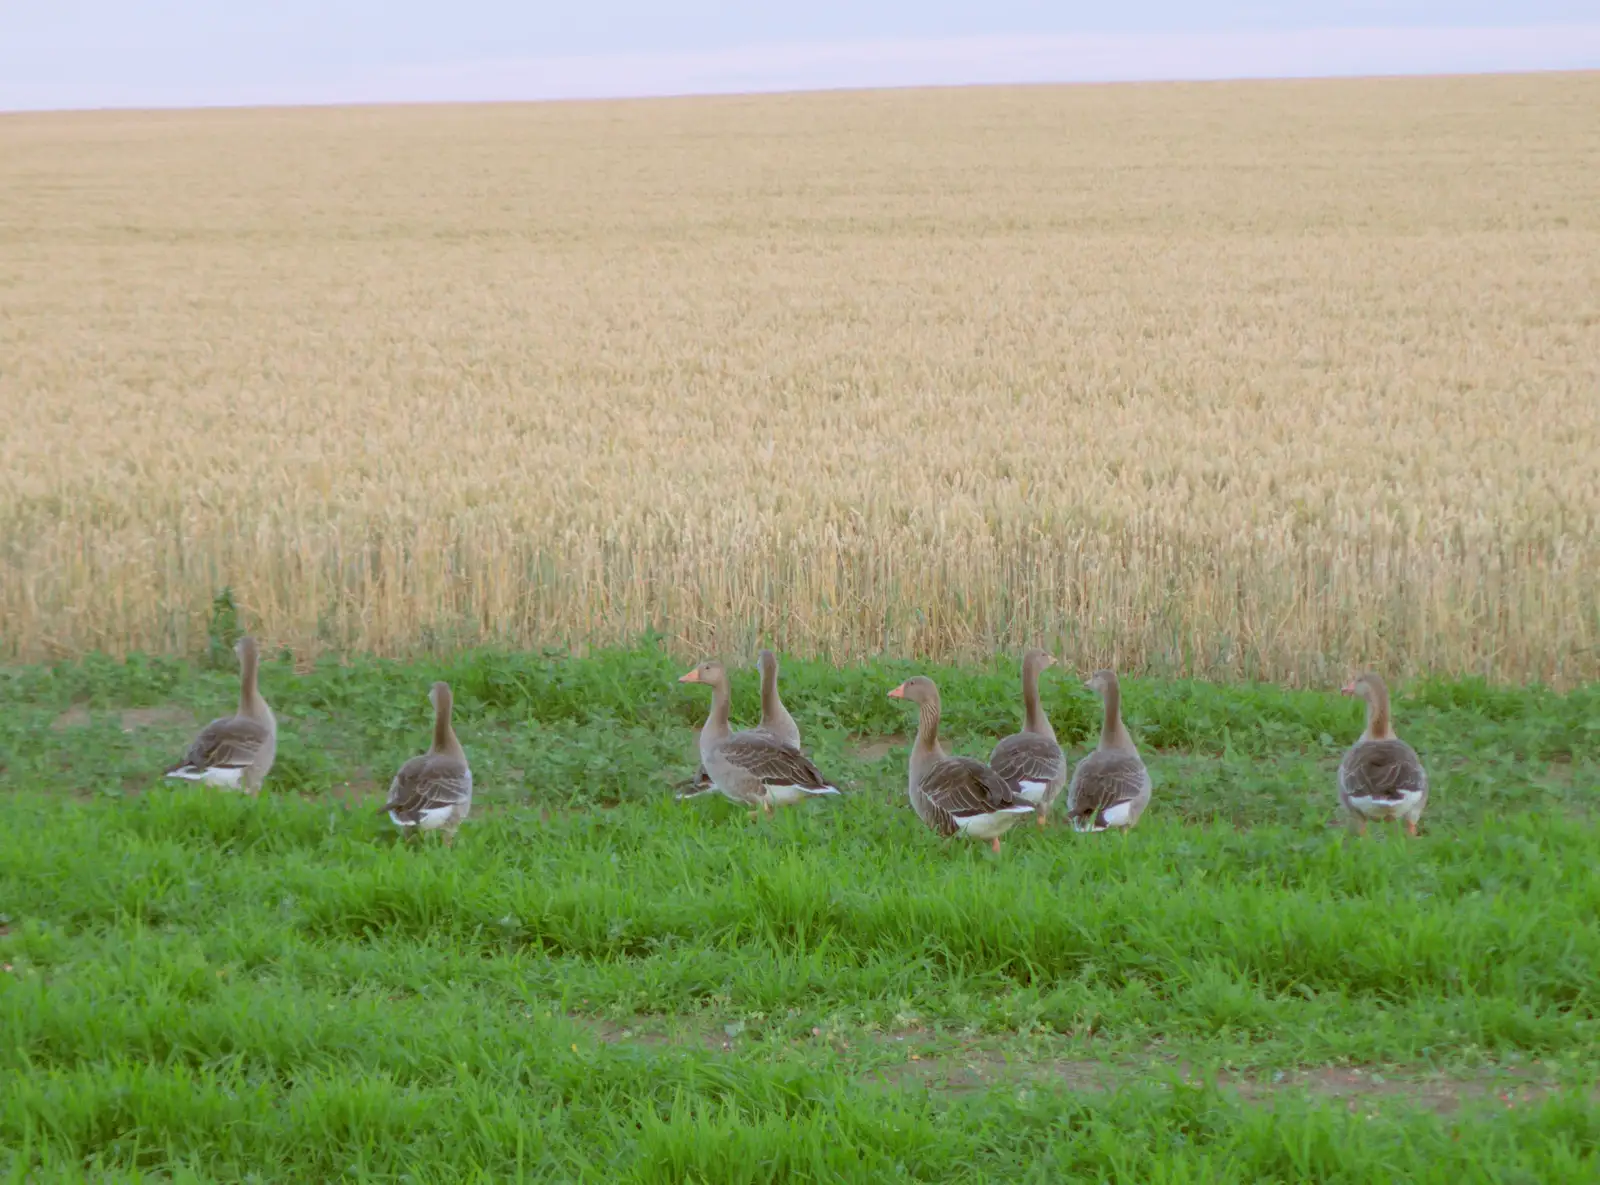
x,y
1255,379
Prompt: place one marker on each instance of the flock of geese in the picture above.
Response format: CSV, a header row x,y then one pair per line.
x,y
1379,779
763,767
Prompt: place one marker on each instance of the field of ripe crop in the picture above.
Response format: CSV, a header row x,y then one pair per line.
x,y
598,983
1257,380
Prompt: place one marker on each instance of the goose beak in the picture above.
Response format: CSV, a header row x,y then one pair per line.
x,y
692,677
1348,689
898,692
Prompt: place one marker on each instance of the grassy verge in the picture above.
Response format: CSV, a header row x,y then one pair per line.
x,y
596,975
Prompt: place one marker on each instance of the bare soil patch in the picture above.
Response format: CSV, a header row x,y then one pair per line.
x,y
931,1064
159,716
878,748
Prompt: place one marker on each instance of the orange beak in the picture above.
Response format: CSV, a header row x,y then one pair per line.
x,y
898,692
1348,689
692,677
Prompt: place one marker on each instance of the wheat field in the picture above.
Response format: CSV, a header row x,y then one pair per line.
x,y
1254,380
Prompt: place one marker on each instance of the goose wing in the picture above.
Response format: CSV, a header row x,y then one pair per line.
x,y
427,783
1105,779
774,763
1386,771
958,788
233,742
1024,757
964,786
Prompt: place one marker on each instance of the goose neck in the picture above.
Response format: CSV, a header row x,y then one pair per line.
x,y
926,750
1113,734
716,726
444,733
1379,725
1033,718
251,705
775,717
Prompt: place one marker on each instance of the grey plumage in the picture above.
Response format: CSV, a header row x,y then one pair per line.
x,y
235,752
230,742
1381,777
1384,771
433,792
954,795
1031,761
427,783
959,788
775,722
1024,758
1103,780
1111,786
752,767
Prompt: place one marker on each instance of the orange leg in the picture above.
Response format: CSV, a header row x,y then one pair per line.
x,y
1042,821
1411,827
995,844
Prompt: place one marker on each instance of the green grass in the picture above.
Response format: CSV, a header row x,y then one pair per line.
x,y
598,982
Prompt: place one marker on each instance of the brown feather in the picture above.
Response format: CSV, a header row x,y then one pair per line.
x,y
774,763
957,787
426,783
232,742
965,786
1104,779
1383,770
1028,757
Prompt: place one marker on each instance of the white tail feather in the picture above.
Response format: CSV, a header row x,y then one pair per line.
x,y
227,778
1032,791
786,795
430,820
993,823
1117,816
1385,808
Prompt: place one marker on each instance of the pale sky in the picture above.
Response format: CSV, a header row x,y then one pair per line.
x,y
143,53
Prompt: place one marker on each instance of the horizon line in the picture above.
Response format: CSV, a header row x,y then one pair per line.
x,y
1324,54
842,89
